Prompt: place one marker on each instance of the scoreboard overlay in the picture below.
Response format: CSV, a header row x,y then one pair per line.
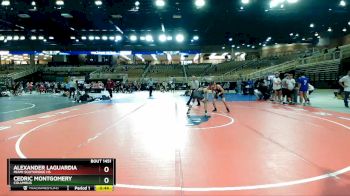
x,y
96,174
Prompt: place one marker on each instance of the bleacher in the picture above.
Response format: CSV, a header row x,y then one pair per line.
x,y
72,69
196,69
133,71
318,66
9,69
175,70
18,71
321,71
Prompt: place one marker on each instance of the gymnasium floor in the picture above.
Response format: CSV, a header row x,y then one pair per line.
x,y
259,148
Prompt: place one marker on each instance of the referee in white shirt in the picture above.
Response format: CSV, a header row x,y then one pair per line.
x,y
345,83
194,85
150,86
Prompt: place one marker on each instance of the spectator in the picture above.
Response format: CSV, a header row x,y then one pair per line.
x,y
109,87
303,84
277,87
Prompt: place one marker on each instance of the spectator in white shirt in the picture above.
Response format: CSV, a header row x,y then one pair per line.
x,y
290,87
277,87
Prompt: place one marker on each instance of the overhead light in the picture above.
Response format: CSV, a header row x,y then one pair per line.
x,y
342,3
111,38
41,37
137,3
241,8
329,29
82,37
44,40
72,37
118,38
303,39
98,2
66,15
230,39
5,3
195,38
97,38
232,46
133,38
33,37
180,38
149,38
16,37
59,2
344,30
162,38
199,3
24,15
160,3
33,3
316,34
292,1
2,38
104,38
91,37
312,25
177,16
169,38
22,37
245,1
9,37
291,34
274,3
223,47
142,38
163,28
349,23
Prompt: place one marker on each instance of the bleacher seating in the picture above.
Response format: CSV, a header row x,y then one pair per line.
x,y
175,70
327,70
133,71
196,69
